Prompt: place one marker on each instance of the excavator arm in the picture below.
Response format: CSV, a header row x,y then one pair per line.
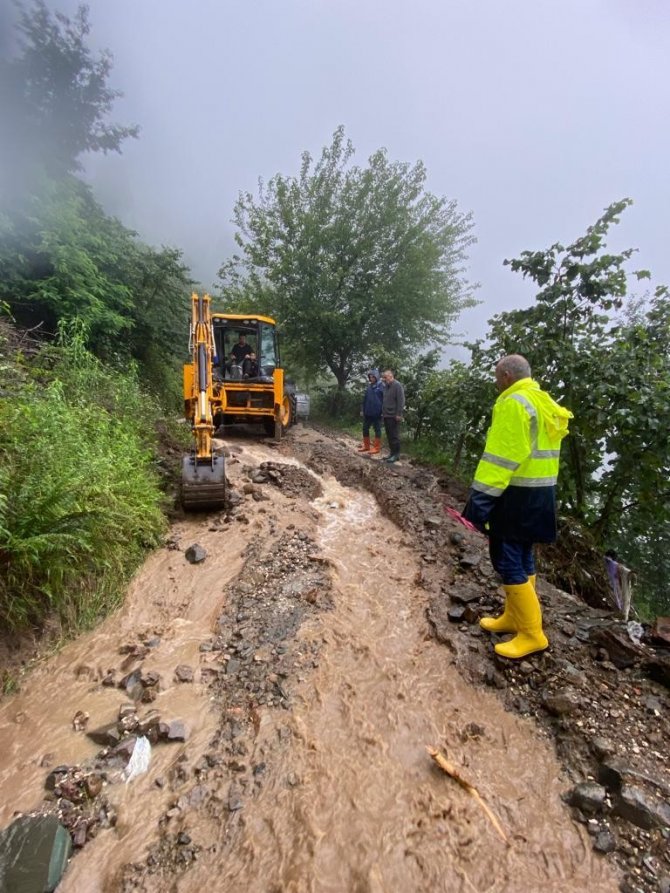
x,y
203,471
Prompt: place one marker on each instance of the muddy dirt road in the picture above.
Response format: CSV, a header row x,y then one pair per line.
x,y
299,658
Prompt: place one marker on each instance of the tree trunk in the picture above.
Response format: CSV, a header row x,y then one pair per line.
x,y
460,443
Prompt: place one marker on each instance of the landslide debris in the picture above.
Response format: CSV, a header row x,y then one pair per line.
x,y
600,695
253,660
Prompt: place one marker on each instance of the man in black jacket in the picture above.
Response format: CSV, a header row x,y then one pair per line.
x,y
393,407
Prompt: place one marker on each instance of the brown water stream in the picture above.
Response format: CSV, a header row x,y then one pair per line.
x,y
350,799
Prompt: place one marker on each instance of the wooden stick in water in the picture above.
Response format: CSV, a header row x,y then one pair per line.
x,y
453,772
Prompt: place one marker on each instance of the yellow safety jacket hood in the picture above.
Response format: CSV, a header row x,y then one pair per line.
x,y
524,441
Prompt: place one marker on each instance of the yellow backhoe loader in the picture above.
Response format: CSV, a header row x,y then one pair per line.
x,y
235,375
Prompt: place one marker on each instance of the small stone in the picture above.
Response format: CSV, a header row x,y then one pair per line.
x,y
233,666
195,554
470,559
125,748
472,730
432,522
562,702
639,808
183,838
604,842
126,710
653,705
588,796
494,678
55,777
456,613
183,673
602,748
93,785
107,736
80,720
177,731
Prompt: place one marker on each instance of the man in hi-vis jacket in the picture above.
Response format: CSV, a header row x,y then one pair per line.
x,y
513,497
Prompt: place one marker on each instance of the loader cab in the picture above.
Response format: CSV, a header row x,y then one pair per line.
x,y
260,337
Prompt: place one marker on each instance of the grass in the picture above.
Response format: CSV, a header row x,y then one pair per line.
x,y
80,501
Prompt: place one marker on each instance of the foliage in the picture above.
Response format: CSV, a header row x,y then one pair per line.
x,y
55,97
69,259
61,256
455,407
79,501
352,261
606,355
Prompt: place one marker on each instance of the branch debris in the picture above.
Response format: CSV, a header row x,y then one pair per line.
x,y
453,772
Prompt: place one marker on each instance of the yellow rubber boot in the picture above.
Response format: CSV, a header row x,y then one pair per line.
x,y
506,622
365,446
525,609
503,624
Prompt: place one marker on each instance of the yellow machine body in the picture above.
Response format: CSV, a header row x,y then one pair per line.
x,y
217,389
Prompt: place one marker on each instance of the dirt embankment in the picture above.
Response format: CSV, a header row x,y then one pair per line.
x,y
288,680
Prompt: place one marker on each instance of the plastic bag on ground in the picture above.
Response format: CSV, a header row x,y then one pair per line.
x,y
139,760
635,631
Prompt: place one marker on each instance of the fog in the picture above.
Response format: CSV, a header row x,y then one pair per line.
x,y
534,116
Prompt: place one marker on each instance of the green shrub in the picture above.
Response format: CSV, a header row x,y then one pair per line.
x,y
79,498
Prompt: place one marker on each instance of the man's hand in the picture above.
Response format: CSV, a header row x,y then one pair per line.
x,y
398,418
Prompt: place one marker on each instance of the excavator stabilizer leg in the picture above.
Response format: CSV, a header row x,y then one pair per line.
x,y
203,483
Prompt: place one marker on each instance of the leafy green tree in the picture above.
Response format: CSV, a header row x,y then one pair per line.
x,y
55,98
605,353
61,256
456,406
72,260
353,261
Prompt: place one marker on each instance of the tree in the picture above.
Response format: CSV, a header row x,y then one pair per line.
x,y
353,262
606,354
61,256
55,98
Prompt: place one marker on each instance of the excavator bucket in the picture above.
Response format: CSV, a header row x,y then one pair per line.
x,y
203,483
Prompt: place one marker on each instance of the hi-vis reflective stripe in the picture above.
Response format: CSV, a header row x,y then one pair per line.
x,y
524,401
533,482
532,412
501,461
487,488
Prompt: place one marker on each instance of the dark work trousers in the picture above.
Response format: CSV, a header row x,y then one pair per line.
x,y
392,427
513,561
376,423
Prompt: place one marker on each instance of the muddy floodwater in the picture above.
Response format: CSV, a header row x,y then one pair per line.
x,y
348,800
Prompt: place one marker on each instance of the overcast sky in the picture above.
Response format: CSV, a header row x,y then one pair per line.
x,y
532,114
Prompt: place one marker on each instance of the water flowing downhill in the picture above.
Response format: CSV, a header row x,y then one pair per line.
x,y
350,800
364,809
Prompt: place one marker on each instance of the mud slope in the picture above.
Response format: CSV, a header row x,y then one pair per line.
x,y
299,664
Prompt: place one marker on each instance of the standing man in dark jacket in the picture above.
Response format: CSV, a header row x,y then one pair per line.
x,y
393,407
371,411
513,497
